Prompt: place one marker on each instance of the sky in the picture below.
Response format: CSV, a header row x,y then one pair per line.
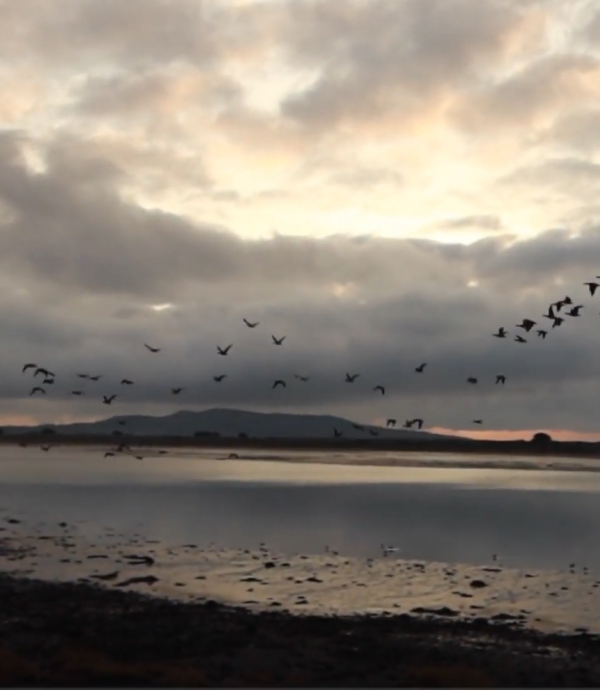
x,y
384,182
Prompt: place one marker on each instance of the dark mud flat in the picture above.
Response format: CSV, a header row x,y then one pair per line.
x,y
54,634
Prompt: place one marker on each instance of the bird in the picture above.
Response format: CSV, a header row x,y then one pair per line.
x,y
177,391
219,378
542,334
301,378
519,339
408,424
41,370
372,432
575,310
83,376
224,350
278,341
527,324
390,423
109,454
351,378
421,367
380,388
36,389
472,380
249,324
558,321
418,422
550,313
478,421
48,382
95,378
501,379
279,382
76,393
126,382
28,366
336,433
108,400
152,349
501,333
593,287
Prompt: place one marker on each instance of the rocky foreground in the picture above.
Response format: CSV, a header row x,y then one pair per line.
x,y
59,634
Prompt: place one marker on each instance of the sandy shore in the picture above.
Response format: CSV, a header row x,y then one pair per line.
x,y
79,605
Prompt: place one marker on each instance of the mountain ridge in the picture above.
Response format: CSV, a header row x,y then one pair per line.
x,y
230,422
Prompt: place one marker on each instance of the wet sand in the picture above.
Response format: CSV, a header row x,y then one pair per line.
x,y
240,617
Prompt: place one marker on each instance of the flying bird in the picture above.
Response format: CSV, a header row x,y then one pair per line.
x,y
501,379
251,325
519,339
380,388
593,287
279,382
527,324
542,334
83,376
278,341
472,379
176,391
41,370
108,400
502,332
301,378
225,350
36,389
575,310
95,378
558,321
351,378
478,421
418,422
76,393
48,382
152,349
390,423
219,378
550,313
421,367
28,366
126,382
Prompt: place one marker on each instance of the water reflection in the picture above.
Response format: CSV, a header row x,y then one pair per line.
x,y
546,529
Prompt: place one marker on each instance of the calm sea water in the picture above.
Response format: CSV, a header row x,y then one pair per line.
x,y
535,518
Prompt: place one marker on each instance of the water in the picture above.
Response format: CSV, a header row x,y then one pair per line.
x,y
534,518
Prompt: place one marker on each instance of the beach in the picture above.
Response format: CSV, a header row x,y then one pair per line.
x,y
289,564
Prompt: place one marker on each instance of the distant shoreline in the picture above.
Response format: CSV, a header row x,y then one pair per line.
x,y
580,449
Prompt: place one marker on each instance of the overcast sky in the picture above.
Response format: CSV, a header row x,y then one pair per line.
x,y
385,182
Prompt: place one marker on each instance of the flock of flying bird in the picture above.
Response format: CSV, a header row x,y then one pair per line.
x,y
554,313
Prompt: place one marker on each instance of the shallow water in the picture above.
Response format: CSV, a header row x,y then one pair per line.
x,y
535,518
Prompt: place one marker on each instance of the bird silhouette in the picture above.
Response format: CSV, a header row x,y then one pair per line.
x,y
418,422
76,393
472,380
41,370
278,341
380,388
478,421
279,382
36,390
108,400
152,349
527,324
542,334
575,310
502,332
126,382
224,350
351,378
251,325
501,379
109,454
558,321
28,366
408,424
421,367
83,376
48,382
390,423
336,433
219,378
519,339
176,391
301,378
95,378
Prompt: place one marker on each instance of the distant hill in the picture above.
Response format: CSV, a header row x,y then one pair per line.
x,y
229,423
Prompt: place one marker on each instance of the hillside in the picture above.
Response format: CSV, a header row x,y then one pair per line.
x,y
229,422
